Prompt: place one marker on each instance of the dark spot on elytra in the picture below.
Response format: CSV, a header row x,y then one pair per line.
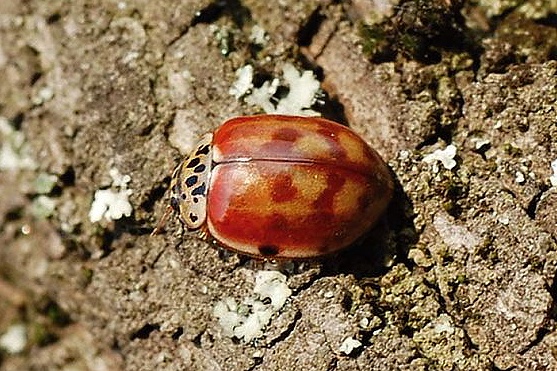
x,y
199,191
192,180
175,189
328,131
268,250
193,217
195,200
193,162
184,196
282,142
286,134
199,168
365,201
204,150
325,200
282,189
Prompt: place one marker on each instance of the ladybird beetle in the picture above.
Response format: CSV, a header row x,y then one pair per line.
x,y
286,187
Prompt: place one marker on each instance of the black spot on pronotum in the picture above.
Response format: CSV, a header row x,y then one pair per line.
x,y
199,169
193,162
204,150
199,191
193,217
191,180
268,250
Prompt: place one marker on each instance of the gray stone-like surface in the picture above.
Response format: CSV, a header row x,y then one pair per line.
x,y
459,275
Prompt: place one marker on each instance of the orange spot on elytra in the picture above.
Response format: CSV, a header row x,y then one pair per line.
x,y
331,136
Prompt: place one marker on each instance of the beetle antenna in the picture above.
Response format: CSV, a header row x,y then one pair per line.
x,y
162,222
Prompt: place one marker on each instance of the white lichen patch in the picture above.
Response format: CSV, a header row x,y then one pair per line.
x,y
364,323
503,219
263,96
43,95
110,204
253,324
272,285
553,178
443,324
349,345
445,156
113,203
302,90
258,35
481,143
247,320
442,336
226,312
43,206
14,153
519,177
118,179
223,37
14,340
44,183
454,235
243,83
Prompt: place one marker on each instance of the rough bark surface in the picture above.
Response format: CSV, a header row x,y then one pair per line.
x,y
461,273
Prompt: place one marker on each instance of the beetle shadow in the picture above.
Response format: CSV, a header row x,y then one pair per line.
x,y
383,246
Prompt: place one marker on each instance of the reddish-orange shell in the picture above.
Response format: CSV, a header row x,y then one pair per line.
x,y
292,187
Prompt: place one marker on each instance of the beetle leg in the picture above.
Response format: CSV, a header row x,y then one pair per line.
x,y
203,233
162,222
